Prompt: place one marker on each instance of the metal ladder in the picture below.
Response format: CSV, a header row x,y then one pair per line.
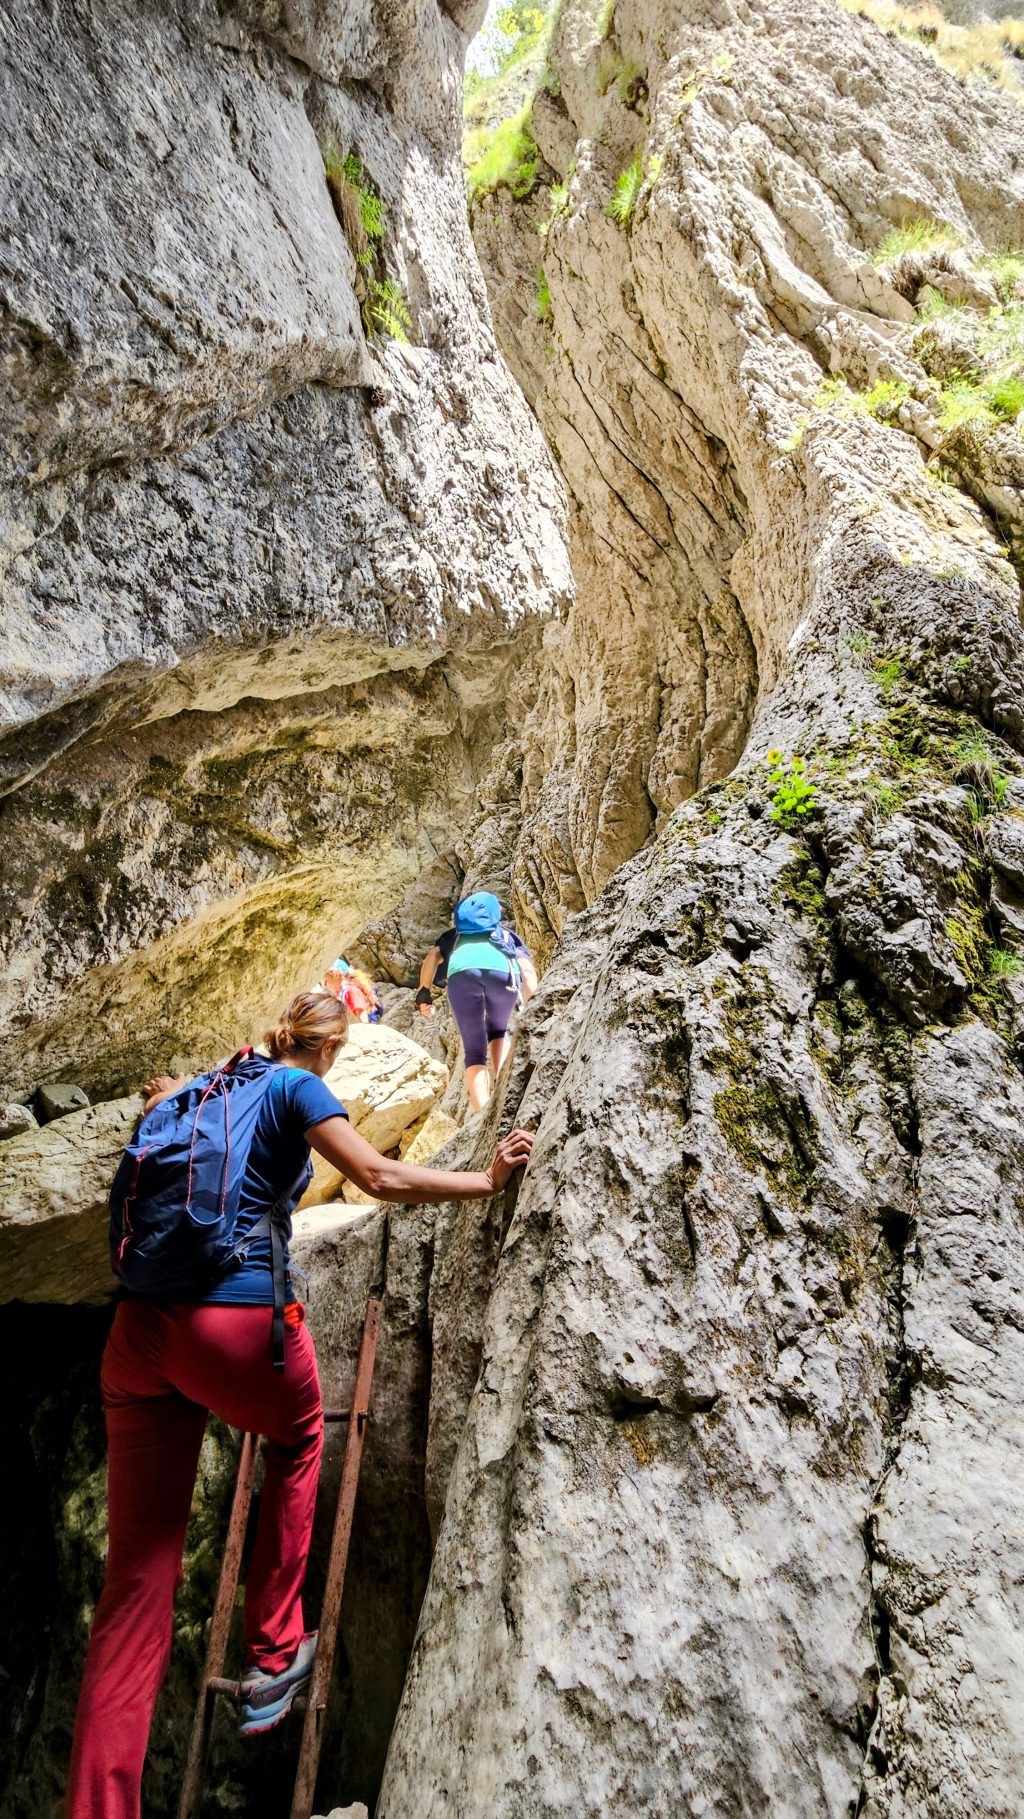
x,y
315,1701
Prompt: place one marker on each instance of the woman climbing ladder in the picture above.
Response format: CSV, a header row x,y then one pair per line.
x,y
170,1359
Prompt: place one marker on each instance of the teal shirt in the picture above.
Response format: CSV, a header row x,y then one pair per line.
x,y
477,952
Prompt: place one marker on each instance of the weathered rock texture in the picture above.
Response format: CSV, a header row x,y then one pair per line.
x,y
729,1525
677,358
264,580
715,1420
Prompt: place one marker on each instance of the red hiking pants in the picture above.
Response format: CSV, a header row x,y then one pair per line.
x,y
164,1367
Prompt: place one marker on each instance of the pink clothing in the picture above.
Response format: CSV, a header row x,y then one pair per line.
x,y
164,1367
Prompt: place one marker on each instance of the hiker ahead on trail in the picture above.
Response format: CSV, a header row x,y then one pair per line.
x,y
488,971
200,1218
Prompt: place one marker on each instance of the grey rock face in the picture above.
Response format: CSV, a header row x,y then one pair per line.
x,y
723,1464
676,376
265,578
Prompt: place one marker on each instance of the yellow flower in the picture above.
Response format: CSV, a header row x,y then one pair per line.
x,y
774,758
797,763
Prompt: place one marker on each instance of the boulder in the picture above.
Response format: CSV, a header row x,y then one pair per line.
x,y
15,1119
386,1083
58,1101
54,1183
430,1135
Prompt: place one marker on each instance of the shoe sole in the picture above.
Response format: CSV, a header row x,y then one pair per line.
x,y
273,1714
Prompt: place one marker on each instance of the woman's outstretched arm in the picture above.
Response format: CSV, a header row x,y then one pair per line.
x,y
356,1159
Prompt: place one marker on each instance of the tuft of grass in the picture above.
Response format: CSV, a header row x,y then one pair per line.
x,y
980,401
621,205
503,156
912,237
889,674
558,196
976,771
1002,964
542,300
934,307
605,19
1007,273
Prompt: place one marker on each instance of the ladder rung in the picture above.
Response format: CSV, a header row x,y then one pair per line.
x,y
216,1684
337,1414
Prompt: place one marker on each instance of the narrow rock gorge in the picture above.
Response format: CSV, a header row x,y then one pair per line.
x,y
644,543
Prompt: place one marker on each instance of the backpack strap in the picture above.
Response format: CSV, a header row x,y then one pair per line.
x,y
271,1226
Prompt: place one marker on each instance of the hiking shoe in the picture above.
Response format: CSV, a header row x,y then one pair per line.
x,y
266,1698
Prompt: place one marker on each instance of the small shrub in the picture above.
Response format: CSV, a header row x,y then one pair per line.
x,y
622,202
793,797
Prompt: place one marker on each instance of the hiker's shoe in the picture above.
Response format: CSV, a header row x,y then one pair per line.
x,y
266,1698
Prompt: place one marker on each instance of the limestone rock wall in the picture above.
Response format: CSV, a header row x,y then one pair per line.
x,y
732,1438
674,356
265,574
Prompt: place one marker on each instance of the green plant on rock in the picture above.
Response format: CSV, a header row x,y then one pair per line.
x,y
361,210
622,203
363,217
913,237
889,673
1007,273
503,156
792,795
1002,964
558,197
976,770
388,310
542,300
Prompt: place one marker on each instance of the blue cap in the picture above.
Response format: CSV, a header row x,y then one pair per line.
x,y
339,966
479,914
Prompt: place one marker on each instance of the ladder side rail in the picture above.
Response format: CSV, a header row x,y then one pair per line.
x,y
220,1624
323,1664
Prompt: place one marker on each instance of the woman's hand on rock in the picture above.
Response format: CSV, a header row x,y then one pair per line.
x,y
425,1010
512,1152
160,1087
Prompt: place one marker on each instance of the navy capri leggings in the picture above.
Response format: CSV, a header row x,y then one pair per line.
x,y
482,1004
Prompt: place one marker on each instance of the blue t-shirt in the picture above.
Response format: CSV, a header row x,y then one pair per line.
x,y
294,1102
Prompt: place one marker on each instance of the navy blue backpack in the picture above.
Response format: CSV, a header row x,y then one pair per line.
x,y
174,1200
